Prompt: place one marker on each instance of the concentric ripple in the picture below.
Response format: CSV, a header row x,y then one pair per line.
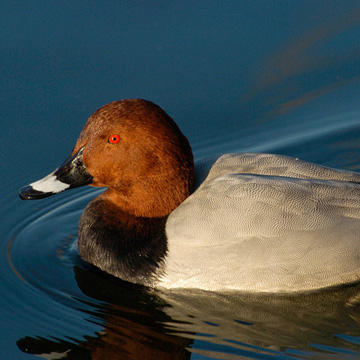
x,y
43,251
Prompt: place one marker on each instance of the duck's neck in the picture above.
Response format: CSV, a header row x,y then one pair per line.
x,y
155,193
128,247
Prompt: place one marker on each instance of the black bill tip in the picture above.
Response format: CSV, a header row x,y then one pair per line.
x,y
29,193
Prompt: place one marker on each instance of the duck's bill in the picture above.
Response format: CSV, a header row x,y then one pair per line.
x,y
70,174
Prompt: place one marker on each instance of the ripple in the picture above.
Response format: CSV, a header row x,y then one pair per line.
x,y
42,254
44,245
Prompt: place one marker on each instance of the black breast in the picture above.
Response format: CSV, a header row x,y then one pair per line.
x,y
131,248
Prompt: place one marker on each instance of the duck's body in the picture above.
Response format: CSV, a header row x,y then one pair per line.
x,y
257,223
266,223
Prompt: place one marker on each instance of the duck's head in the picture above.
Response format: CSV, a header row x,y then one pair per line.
x,y
133,148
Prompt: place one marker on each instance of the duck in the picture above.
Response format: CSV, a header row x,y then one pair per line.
x,y
251,222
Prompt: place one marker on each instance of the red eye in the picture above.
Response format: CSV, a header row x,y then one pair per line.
x,y
114,139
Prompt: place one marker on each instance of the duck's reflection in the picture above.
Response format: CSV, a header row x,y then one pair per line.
x,y
272,325
133,323
140,324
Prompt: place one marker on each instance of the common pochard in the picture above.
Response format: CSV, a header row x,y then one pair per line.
x,y
257,223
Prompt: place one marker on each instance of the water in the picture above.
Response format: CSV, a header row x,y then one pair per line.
x,y
266,76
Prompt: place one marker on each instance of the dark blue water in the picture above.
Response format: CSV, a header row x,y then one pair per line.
x,y
267,76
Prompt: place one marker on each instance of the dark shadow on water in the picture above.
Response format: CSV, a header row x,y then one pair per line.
x,y
140,323
132,320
